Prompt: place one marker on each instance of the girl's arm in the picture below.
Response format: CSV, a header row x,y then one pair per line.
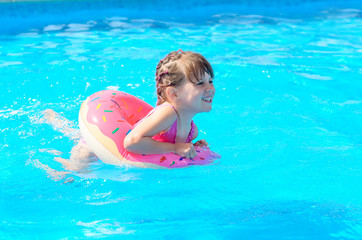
x,y
140,141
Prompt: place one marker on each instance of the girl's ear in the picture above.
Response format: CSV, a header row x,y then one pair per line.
x,y
171,94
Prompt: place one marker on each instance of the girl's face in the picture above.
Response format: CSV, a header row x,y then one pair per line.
x,y
196,97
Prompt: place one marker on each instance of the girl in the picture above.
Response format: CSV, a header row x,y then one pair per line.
x,y
184,89
184,82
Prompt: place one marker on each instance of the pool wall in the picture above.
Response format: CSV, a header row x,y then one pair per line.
x,y
38,6
29,16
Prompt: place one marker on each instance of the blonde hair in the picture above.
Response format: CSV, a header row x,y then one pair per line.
x,y
179,65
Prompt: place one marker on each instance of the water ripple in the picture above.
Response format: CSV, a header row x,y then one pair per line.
x,y
314,76
103,228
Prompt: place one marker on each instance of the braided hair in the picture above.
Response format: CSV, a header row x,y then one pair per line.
x,y
179,65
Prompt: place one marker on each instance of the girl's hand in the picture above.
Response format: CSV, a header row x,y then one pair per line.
x,y
185,150
201,143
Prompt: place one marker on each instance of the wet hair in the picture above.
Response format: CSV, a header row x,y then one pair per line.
x,y
177,66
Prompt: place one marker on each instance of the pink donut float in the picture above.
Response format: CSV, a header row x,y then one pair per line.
x,y
106,117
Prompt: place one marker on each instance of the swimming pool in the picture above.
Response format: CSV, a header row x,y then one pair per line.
x,y
287,120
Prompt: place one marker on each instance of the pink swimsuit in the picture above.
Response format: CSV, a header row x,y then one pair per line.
x,y
170,135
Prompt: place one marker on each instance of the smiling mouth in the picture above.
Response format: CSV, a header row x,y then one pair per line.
x,y
207,99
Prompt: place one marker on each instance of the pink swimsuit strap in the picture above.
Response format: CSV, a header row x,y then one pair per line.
x,y
170,135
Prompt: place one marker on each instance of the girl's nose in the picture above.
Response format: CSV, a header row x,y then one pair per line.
x,y
210,90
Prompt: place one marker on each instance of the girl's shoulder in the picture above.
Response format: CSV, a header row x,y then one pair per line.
x,y
166,112
165,105
160,118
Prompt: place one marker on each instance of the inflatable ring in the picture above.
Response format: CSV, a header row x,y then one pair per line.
x,y
106,117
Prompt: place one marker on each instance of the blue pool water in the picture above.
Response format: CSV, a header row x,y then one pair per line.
x,y
287,120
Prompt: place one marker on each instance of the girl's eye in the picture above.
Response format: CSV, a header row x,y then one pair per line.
x,y
200,83
211,82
